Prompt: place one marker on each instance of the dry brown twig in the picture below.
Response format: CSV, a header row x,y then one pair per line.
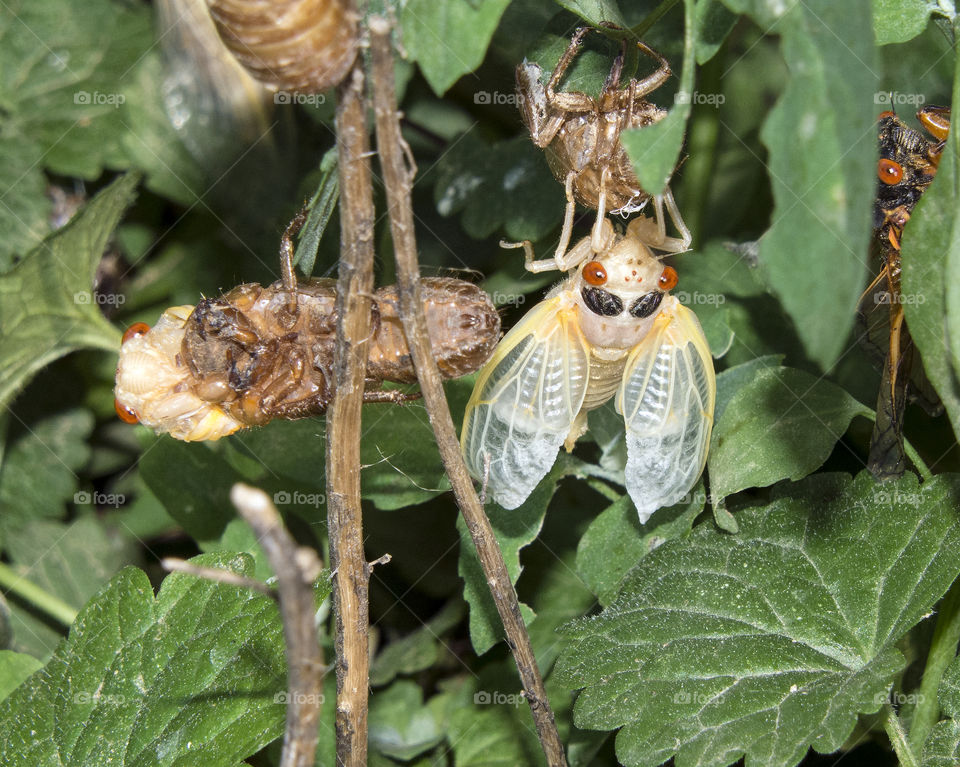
x,y
344,520
394,158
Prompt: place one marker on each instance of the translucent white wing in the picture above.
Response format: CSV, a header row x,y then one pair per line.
x,y
666,399
525,401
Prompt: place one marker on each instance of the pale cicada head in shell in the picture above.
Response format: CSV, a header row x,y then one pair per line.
x,y
154,385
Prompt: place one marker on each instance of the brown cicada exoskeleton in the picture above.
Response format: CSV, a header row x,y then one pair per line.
x,y
259,353
908,162
581,138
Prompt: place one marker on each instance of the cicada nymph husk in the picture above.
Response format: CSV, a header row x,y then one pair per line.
x,y
248,357
303,46
906,167
611,329
581,138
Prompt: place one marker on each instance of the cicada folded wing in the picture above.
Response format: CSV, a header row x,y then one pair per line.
x,y
666,399
525,402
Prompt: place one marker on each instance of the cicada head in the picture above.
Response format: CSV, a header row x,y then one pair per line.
x,y
153,383
620,292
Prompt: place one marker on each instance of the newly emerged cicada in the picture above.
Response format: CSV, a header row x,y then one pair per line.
x,y
581,138
610,329
260,353
907,165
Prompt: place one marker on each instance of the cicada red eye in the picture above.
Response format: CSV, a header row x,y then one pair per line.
x,y
594,273
124,413
889,172
668,278
137,329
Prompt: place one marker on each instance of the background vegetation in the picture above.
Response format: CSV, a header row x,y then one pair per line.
x,y
790,604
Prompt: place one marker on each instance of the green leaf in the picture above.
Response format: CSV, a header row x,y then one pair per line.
x,y
931,263
942,747
713,22
655,149
896,21
70,561
774,640
822,168
401,727
46,301
62,77
150,142
732,380
448,39
595,12
24,215
514,530
15,667
321,205
38,475
418,650
949,692
781,425
505,185
616,541
188,678
193,483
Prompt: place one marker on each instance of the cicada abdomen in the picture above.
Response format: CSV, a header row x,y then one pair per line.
x,y
292,45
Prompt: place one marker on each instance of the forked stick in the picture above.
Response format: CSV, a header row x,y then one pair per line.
x,y
398,180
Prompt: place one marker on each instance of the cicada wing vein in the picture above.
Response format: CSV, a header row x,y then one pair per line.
x,y
666,399
525,401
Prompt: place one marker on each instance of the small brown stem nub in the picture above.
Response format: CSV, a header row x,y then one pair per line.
x,y
397,177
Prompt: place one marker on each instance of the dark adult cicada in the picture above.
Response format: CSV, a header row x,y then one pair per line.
x,y
906,167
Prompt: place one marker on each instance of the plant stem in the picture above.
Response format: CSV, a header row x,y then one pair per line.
x,y
345,523
898,738
943,649
700,166
917,461
296,568
652,18
398,181
37,597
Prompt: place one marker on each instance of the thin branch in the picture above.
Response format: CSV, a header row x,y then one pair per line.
x,y
36,596
397,179
296,568
345,523
177,565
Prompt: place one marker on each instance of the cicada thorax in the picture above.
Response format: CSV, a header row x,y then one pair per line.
x,y
906,167
589,145
618,297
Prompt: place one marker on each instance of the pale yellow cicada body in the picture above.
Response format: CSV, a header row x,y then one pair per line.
x,y
610,329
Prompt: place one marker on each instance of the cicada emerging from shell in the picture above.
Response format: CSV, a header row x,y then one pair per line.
x,y
581,138
611,329
259,353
